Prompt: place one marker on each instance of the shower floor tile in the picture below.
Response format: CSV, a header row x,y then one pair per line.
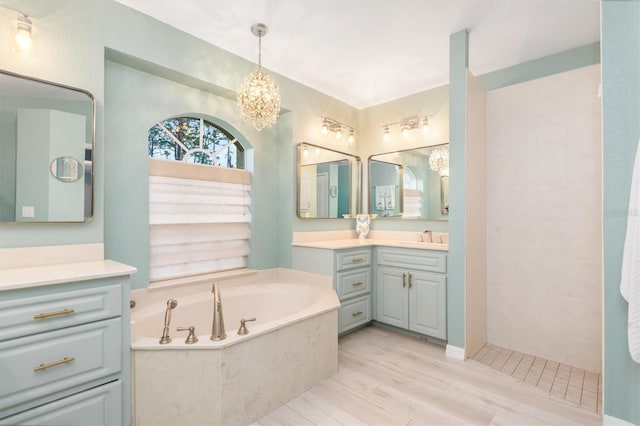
x,y
578,387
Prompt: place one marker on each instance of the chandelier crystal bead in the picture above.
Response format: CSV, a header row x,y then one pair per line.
x,y
259,96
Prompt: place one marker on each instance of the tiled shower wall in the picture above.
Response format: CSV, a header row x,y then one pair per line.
x,y
544,217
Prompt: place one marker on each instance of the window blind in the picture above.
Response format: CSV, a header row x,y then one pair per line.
x,y
199,219
412,203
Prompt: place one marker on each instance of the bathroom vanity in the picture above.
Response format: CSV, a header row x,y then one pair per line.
x,y
400,283
64,344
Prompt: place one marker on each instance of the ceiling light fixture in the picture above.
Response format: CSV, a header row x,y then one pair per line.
x,y
331,125
406,125
23,35
259,96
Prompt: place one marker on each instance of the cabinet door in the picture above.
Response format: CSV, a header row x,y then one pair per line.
x,y
428,303
392,296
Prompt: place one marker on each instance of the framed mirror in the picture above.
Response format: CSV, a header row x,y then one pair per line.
x,y
47,143
410,184
329,183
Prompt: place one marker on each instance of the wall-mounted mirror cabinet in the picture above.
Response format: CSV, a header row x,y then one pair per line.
x,y
410,184
329,183
47,145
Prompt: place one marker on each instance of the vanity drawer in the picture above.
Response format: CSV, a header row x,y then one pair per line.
x,y
353,283
40,365
30,315
99,406
353,259
354,313
423,260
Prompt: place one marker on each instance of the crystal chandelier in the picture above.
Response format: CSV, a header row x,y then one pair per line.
x,y
439,161
259,96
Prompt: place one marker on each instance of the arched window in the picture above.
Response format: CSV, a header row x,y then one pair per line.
x,y
195,140
199,216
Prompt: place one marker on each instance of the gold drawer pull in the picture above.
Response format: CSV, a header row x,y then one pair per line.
x,y
358,284
404,280
54,314
64,360
410,283
356,314
357,259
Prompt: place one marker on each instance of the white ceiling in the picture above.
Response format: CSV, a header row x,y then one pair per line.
x,y
366,52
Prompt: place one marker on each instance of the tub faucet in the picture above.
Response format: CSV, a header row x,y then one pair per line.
x,y
171,305
217,328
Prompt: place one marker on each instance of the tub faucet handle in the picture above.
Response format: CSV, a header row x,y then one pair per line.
x,y
191,338
243,327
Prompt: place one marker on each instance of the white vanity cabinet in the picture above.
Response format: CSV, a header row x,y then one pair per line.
x,y
64,350
352,279
411,290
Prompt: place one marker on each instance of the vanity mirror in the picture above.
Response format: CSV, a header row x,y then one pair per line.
x,y
410,184
47,144
328,183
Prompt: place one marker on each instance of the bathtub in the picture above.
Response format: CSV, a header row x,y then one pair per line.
x,y
290,347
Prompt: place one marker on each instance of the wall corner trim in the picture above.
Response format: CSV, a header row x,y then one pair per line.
x,y
456,353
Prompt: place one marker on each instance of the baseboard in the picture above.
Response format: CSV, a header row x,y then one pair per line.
x,y
455,352
614,421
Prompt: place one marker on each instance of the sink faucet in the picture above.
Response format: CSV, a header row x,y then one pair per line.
x,y
217,328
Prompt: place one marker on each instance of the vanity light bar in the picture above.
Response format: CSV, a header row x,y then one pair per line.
x,y
406,125
331,125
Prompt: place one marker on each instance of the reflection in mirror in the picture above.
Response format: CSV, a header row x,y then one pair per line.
x,y
46,148
66,169
410,184
444,195
328,183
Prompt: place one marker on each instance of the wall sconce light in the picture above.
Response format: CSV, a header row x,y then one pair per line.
x,y
23,35
331,125
406,125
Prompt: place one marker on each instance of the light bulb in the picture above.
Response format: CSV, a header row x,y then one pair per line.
x,y
386,134
325,129
405,132
338,133
23,36
352,138
425,125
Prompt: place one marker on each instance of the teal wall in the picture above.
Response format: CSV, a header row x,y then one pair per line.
x,y
621,130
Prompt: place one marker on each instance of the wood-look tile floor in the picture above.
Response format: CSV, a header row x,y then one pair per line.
x,y
386,378
579,387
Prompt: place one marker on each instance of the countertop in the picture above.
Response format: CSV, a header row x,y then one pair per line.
x,y
36,276
370,242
